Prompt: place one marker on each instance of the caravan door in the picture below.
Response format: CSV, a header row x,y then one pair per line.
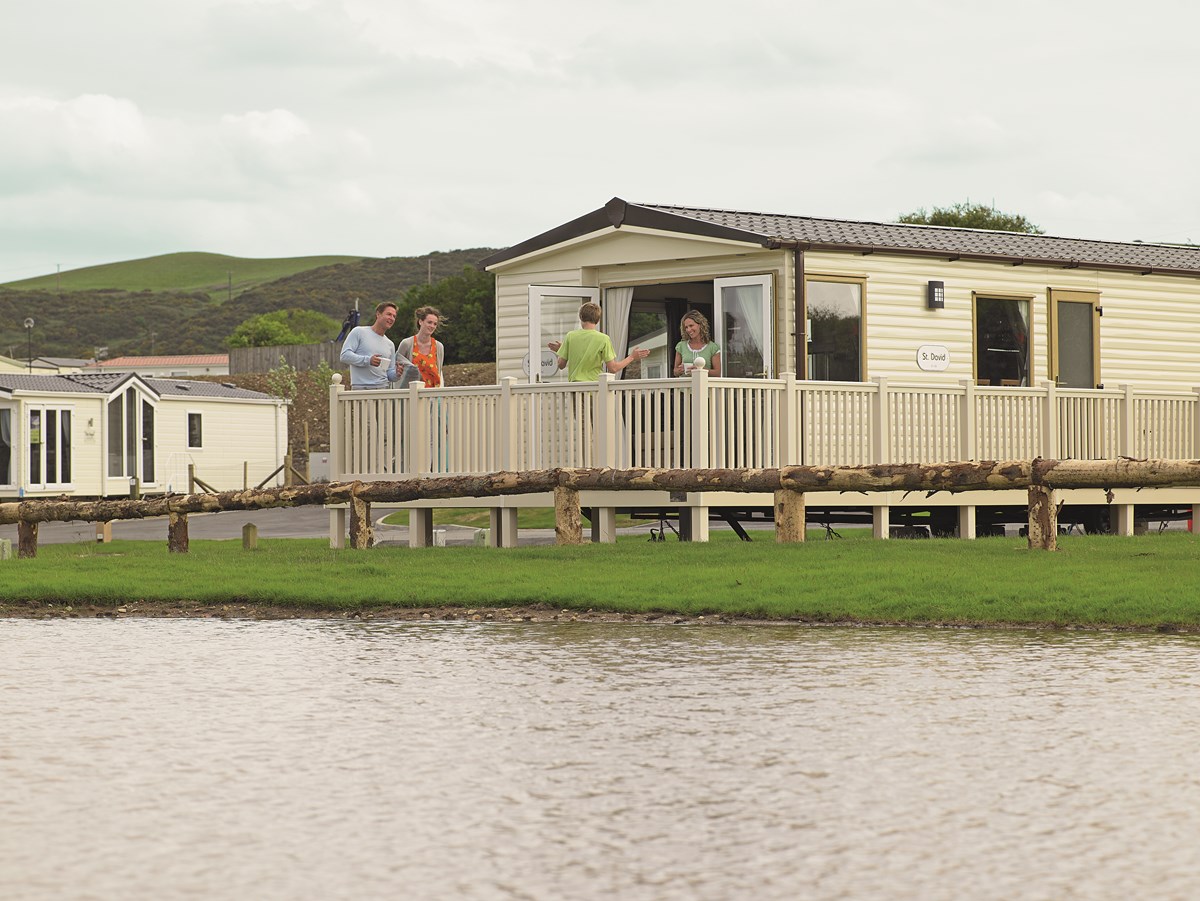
x,y
553,311
743,327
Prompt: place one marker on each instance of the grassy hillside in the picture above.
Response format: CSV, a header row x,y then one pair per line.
x,y
210,273
177,319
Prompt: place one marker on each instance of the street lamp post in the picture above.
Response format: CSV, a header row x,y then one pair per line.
x,y
29,341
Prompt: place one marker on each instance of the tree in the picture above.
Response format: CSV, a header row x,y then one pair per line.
x,y
284,327
467,303
972,215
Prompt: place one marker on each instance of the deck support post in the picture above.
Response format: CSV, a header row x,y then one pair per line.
x,y
881,521
420,527
360,524
567,526
503,524
27,537
337,528
789,516
693,523
604,525
966,521
1121,516
177,533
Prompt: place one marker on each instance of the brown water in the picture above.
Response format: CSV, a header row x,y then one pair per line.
x,y
318,759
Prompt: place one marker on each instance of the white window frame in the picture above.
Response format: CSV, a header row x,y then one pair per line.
x,y
26,445
537,296
767,283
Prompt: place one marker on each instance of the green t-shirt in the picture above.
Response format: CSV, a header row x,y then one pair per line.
x,y
586,350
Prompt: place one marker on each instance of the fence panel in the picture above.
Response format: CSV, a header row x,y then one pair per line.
x,y
1163,427
924,423
836,423
1008,423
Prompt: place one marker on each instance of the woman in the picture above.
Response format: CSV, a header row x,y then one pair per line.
x,y
697,350
426,352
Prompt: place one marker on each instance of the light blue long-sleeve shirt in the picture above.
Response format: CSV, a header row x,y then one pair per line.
x,y
361,344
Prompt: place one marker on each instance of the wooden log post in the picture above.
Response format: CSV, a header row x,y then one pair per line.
x,y
250,537
568,526
1043,514
27,534
789,516
177,533
360,524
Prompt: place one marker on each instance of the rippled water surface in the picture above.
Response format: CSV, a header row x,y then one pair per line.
x,y
174,759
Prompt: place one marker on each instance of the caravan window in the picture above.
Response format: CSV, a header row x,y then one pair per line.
x,y
1002,341
835,317
49,436
6,447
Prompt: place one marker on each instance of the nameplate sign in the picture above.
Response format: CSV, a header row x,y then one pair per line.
x,y
933,358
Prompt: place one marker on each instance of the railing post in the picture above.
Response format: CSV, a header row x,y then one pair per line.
x,y
700,423
506,426
1127,447
418,436
966,435
789,428
337,450
1050,422
882,438
606,421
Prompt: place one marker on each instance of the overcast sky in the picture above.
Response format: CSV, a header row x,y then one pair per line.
x,y
278,128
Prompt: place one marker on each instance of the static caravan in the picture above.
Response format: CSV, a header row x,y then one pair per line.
x,y
911,343
92,435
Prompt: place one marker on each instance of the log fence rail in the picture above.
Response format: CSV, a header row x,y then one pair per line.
x,y
1040,478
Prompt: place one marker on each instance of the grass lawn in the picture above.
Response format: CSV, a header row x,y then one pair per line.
x,y
1143,582
209,272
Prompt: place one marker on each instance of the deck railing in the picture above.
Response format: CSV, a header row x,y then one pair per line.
x,y
701,422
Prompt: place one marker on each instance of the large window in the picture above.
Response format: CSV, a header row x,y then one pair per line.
x,y
1002,341
49,433
6,443
835,333
131,436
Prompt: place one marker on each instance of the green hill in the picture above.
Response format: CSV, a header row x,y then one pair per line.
x,y
215,274
189,309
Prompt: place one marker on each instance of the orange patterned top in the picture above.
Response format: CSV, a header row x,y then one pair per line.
x,y
427,364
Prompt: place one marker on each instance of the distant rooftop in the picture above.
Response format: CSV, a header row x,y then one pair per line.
x,y
181,360
106,382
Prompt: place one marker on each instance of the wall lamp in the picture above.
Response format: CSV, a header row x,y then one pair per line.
x,y
935,295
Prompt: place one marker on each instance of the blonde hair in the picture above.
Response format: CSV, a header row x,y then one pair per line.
x,y
701,320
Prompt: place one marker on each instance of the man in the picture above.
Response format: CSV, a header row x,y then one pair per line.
x,y
371,355
587,350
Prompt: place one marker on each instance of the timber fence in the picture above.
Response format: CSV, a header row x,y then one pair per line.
x,y
1040,477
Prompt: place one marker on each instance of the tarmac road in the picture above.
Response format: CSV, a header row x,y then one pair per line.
x,y
275,522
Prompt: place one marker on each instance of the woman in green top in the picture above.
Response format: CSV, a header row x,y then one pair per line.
x,y
697,350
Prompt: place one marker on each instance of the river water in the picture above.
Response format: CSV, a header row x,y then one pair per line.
x,y
201,758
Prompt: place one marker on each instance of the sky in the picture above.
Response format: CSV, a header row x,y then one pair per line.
x,y
283,128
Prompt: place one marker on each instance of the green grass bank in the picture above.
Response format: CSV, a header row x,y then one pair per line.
x,y
1145,582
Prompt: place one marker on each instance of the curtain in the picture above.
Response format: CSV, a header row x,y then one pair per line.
x,y
748,314
617,304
